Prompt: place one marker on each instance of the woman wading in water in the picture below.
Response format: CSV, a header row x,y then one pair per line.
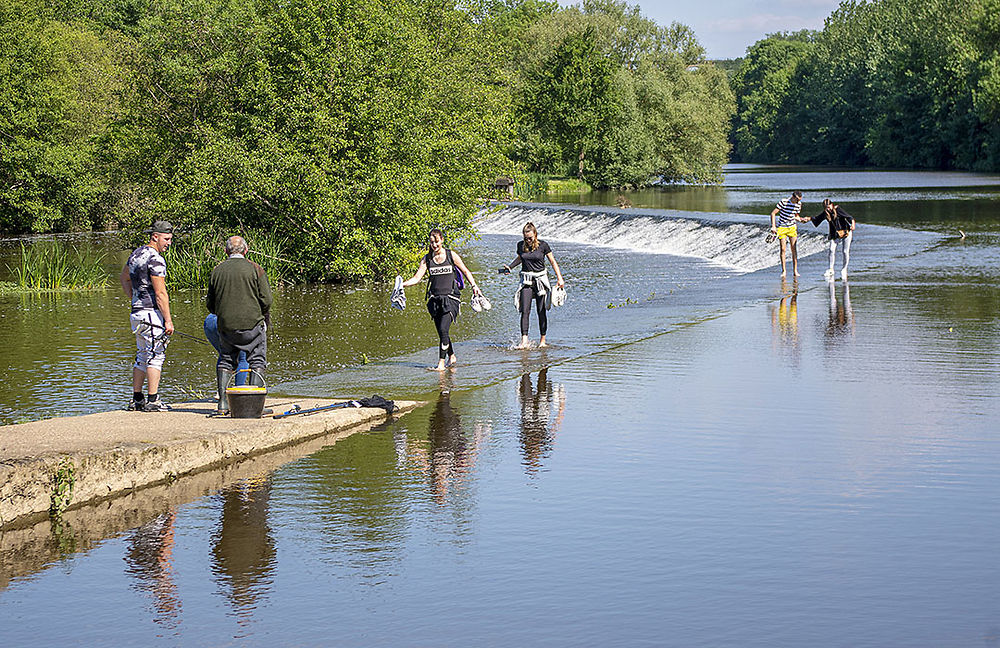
x,y
443,299
531,255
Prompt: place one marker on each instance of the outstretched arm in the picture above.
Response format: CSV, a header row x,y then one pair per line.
x,y
555,266
513,264
461,266
418,275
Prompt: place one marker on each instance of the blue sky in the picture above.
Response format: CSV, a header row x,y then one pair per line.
x,y
725,28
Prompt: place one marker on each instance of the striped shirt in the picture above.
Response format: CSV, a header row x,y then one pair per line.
x,y
787,211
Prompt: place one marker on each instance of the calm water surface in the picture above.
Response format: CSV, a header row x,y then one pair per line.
x,y
706,456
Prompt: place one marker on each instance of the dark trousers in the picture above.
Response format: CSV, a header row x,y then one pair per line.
x,y
253,342
527,294
444,310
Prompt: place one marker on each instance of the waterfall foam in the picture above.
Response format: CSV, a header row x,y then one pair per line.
x,y
734,241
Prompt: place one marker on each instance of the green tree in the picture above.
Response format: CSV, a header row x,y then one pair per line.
x,y
609,95
571,98
889,83
351,130
59,93
765,96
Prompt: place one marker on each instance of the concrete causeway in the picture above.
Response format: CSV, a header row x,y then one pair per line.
x,y
82,460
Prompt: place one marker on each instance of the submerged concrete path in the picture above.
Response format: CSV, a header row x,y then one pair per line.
x,y
80,460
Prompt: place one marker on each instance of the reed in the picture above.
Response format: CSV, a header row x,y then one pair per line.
x,y
191,259
51,265
530,185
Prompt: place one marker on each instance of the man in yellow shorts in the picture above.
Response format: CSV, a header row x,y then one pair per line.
x,y
783,219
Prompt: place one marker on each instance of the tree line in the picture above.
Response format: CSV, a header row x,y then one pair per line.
x,y
885,83
348,128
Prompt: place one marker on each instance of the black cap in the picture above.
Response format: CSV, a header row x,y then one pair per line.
x,y
160,227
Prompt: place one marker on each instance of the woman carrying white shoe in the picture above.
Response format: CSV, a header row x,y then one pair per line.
x,y
841,232
531,256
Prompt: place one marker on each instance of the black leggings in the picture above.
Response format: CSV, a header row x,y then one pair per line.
x,y
443,312
526,295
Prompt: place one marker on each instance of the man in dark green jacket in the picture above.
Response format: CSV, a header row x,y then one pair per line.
x,y
239,294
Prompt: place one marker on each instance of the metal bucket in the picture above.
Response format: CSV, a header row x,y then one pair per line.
x,y
246,401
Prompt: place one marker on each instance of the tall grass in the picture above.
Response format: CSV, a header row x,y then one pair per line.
x,y
529,185
192,258
51,265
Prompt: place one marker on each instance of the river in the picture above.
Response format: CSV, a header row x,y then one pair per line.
x,y
707,454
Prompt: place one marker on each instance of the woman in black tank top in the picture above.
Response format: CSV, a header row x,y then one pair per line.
x,y
443,300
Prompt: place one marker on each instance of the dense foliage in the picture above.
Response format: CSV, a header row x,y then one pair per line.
x,y
348,128
59,88
609,96
887,83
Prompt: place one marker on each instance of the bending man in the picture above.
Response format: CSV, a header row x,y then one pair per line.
x,y
239,293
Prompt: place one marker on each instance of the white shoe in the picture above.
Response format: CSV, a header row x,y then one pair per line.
x,y
828,274
156,406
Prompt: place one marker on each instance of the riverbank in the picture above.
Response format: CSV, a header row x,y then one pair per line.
x,y
71,462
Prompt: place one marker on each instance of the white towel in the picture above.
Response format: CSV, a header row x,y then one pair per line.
x,y
398,298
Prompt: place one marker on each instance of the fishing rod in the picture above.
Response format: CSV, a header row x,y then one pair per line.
x,y
183,335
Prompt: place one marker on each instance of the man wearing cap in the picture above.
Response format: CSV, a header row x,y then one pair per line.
x,y
239,293
144,280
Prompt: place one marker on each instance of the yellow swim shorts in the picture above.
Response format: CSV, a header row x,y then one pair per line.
x,y
786,232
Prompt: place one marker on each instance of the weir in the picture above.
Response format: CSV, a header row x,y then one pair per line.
x,y
735,241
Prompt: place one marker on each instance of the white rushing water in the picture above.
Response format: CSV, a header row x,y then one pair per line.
x,y
736,242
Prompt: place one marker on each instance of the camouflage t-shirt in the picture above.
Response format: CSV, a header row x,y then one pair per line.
x,y
144,263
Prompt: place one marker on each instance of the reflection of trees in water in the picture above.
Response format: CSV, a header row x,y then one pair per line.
x,y
358,502
148,557
242,546
538,432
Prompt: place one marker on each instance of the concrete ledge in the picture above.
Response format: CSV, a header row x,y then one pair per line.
x,y
111,454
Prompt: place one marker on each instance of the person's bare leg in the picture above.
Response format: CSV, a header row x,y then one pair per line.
x,y
542,343
452,359
524,343
795,255
138,377
153,380
781,255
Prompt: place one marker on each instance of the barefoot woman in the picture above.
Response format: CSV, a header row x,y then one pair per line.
x,y
440,264
531,255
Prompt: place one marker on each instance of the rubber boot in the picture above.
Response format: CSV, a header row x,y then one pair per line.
x,y
256,378
223,376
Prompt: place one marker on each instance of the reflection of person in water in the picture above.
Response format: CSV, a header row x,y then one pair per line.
x,y
149,559
450,455
537,435
785,318
242,547
841,314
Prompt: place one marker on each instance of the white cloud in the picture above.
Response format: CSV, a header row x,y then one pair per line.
x,y
764,23
826,5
